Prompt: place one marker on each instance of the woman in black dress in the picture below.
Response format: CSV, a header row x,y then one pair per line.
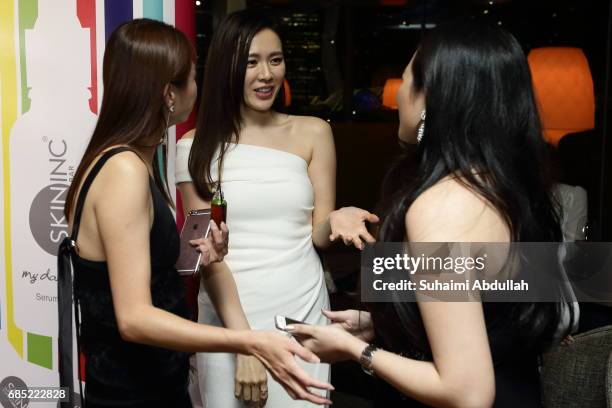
x,y
467,100
134,329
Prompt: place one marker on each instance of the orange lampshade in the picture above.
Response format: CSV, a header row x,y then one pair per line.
x,y
389,95
563,87
287,93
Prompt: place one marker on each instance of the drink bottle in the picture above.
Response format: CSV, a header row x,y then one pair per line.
x,y
218,207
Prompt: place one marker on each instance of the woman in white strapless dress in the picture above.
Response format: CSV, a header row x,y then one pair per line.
x,y
278,178
271,255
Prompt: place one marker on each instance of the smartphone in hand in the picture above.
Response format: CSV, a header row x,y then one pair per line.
x,y
282,322
197,225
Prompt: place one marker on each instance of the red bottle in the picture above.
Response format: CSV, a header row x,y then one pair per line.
x,y
218,207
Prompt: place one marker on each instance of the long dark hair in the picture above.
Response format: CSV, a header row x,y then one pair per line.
x,y
223,93
141,57
482,128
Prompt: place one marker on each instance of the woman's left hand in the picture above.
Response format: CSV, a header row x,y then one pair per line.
x,y
214,247
349,224
331,343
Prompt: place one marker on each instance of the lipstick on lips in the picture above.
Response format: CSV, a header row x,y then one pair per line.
x,y
264,92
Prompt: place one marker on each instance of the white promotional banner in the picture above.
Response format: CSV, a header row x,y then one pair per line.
x,y
50,92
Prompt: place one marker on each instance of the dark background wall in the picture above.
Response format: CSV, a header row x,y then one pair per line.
x,y
339,54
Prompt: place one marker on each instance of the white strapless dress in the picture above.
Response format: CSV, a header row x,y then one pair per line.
x,y
277,270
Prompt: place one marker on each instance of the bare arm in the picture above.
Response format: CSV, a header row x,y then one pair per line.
x,y
462,371
322,174
347,223
124,226
461,374
250,375
217,277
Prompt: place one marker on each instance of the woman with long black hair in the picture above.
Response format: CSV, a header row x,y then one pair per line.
x,y
124,245
467,99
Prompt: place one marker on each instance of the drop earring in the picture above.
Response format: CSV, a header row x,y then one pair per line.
x,y
421,129
164,140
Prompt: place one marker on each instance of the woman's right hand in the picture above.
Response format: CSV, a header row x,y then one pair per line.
x,y
356,322
251,381
276,352
214,247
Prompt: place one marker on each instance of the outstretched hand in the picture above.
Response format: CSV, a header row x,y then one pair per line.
x,y
349,224
276,352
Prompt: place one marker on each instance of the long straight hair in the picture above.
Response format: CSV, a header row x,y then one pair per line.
x,y
482,127
219,117
141,57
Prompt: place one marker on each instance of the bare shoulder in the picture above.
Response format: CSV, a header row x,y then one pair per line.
x,y
121,193
451,211
448,196
312,137
311,126
125,171
189,135
128,163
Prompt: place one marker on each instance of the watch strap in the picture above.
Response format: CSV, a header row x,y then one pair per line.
x,y
366,358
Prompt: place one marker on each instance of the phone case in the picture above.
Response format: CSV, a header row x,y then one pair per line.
x,y
197,225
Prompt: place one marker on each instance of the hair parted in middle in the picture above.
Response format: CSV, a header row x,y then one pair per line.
x,y
219,115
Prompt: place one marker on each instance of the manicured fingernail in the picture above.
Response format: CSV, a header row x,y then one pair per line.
x,y
290,328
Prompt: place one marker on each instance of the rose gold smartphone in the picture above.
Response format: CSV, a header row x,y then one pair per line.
x,y
197,225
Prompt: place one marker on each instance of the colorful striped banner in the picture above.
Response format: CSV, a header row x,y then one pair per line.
x,y
9,101
115,13
28,11
86,11
18,19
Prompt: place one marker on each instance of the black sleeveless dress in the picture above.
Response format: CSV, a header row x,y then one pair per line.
x,y
121,373
515,363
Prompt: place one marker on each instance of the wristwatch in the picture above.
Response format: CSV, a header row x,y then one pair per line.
x,y
366,358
